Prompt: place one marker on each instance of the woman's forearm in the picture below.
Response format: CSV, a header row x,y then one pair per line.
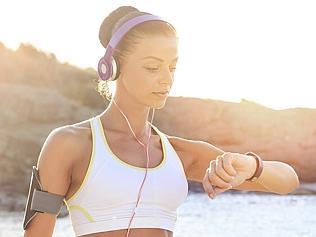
x,y
278,177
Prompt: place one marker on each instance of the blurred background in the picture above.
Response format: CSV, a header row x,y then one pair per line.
x,y
244,81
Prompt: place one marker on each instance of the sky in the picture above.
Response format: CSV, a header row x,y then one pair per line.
x,y
262,51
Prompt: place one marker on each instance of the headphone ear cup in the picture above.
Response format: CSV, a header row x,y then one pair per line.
x,y
115,69
104,69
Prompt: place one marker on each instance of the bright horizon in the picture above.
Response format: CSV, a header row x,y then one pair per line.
x,y
228,50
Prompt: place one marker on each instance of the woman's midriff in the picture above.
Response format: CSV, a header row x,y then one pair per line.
x,y
136,232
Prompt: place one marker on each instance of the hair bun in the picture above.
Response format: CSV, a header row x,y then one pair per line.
x,y
106,28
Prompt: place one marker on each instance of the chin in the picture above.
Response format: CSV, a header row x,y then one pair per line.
x,y
159,105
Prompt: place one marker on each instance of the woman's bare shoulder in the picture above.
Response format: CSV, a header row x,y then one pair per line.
x,y
69,136
62,148
73,135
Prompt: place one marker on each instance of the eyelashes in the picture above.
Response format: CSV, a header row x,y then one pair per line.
x,y
151,69
155,69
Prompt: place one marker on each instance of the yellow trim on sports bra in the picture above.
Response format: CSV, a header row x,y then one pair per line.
x,y
83,210
90,164
127,164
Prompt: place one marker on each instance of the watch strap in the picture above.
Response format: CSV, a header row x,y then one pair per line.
x,y
259,168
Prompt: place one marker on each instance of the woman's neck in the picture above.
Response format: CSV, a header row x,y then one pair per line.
x,y
136,114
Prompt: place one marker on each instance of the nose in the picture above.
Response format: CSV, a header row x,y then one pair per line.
x,y
167,77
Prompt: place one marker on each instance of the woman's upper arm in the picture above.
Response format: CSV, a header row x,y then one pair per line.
x,y
54,165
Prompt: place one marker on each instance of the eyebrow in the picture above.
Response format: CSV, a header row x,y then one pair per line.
x,y
159,59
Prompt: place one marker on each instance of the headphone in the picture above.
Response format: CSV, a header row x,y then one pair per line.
x,y
107,66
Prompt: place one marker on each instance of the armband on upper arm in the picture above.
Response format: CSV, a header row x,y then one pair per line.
x,y
39,200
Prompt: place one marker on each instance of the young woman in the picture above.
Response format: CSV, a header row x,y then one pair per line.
x,y
118,173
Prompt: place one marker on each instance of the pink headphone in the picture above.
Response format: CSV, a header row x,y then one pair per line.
x,y
107,67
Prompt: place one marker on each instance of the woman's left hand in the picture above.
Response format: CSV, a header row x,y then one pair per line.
x,y
228,169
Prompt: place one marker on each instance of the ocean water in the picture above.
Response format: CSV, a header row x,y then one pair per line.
x,y
228,215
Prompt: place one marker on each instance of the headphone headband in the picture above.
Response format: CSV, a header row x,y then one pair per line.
x,y
106,66
125,27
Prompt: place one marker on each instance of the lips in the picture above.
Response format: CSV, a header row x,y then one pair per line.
x,y
162,93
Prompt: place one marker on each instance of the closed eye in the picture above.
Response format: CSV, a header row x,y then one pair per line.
x,y
152,69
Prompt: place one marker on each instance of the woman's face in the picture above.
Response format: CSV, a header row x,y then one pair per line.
x,y
150,69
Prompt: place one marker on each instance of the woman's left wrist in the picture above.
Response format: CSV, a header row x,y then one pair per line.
x,y
257,168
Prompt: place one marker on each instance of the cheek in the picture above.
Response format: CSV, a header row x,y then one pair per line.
x,y
140,82
145,77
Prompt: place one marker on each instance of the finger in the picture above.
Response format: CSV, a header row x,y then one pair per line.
x,y
208,188
218,190
220,171
213,194
227,164
214,179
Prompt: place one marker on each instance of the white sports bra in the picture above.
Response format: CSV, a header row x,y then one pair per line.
x,y
107,196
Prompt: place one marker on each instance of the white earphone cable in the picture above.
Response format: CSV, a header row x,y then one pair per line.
x,y
147,154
